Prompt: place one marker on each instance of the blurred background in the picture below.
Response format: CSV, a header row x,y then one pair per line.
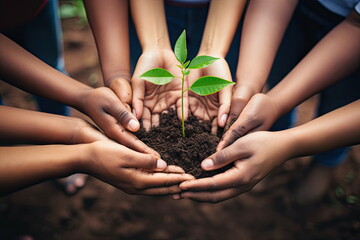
x,y
100,211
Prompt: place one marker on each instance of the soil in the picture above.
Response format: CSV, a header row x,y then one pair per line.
x,y
186,152
100,211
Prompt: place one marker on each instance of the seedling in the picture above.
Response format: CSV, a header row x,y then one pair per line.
x,y
202,86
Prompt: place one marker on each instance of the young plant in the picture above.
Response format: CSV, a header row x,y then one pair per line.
x,y
202,86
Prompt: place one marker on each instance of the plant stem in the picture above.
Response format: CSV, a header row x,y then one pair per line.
x,y
182,103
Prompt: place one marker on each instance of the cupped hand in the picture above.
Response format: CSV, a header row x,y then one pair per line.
x,y
150,100
259,114
214,107
254,156
112,117
122,88
131,171
240,97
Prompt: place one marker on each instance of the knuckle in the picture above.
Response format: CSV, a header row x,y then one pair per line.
x,y
138,185
221,158
214,199
122,115
150,161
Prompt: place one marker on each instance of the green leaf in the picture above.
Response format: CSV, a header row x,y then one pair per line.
x,y
351,199
157,76
180,48
186,72
201,62
186,64
68,11
208,85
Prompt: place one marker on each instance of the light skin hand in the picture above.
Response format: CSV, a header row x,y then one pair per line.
x,y
259,114
150,100
132,172
254,156
214,107
110,114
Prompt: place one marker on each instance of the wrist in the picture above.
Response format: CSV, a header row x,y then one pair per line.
x,y
84,158
109,78
213,52
81,99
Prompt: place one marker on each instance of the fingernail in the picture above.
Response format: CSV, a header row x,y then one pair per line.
x,y
176,196
161,164
133,125
223,119
134,111
207,163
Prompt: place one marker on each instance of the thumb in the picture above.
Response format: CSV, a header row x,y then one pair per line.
x,y
224,109
222,158
138,86
123,115
145,161
121,87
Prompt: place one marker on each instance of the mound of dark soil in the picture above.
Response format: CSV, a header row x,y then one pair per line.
x,y
185,152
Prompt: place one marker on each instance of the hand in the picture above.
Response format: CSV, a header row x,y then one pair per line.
x,y
150,100
84,132
112,117
259,114
240,97
214,107
131,171
254,156
122,88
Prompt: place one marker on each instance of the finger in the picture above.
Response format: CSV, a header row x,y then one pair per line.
x,y
122,88
224,109
161,190
123,116
174,169
143,161
214,126
146,119
240,98
224,180
160,179
241,126
119,134
155,120
211,197
138,87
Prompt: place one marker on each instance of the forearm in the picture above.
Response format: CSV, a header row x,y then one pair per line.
x,y
150,23
264,26
21,167
336,129
324,65
24,126
22,69
109,24
221,24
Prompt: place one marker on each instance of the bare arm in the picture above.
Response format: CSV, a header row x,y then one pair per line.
x,y
130,171
148,100
264,26
257,154
221,24
325,64
24,126
109,23
20,68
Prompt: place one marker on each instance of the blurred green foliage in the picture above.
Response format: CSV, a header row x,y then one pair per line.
x,y
73,9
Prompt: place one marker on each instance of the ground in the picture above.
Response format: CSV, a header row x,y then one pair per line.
x,y
99,211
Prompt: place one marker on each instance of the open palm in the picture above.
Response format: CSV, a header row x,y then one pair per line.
x,y
150,100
